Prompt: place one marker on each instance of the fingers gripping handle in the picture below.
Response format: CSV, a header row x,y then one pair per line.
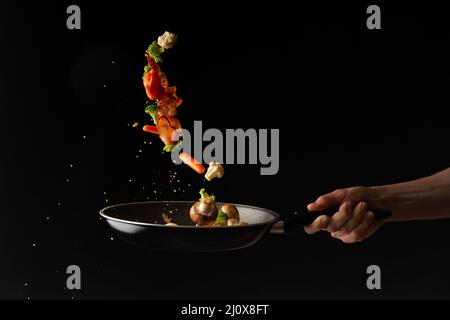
x,y
297,220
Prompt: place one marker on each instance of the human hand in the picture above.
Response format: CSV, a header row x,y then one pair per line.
x,y
353,222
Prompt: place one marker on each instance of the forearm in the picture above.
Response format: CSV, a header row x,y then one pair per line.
x,y
425,198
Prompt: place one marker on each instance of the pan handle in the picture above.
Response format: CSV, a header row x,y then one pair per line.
x,y
295,221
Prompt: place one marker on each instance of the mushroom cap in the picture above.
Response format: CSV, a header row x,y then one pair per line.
x,y
231,211
203,212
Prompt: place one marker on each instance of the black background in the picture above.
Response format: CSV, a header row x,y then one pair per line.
x,y
354,107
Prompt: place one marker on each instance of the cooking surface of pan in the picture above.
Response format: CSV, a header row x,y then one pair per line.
x,y
150,213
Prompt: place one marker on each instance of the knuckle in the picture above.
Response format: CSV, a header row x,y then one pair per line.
x,y
362,209
324,221
316,225
356,191
359,206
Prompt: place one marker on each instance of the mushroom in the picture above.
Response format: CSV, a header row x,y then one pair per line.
x,y
168,220
232,222
215,170
231,211
203,212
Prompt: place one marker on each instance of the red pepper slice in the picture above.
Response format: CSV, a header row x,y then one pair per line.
x,y
152,84
151,129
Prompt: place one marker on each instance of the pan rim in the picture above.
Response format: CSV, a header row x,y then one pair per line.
x,y
276,216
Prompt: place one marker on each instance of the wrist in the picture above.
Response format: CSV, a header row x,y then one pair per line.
x,y
382,197
402,199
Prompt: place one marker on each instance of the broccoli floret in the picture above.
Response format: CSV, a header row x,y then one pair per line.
x,y
221,217
171,147
152,110
154,50
147,69
206,196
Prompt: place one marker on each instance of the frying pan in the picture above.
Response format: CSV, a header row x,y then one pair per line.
x,y
141,224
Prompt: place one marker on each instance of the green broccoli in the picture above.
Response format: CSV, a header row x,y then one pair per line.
x,y
152,110
146,70
171,147
154,50
206,196
221,217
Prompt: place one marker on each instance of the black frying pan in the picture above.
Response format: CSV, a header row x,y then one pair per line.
x,y
141,223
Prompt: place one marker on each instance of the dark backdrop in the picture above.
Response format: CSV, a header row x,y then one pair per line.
x,y
354,107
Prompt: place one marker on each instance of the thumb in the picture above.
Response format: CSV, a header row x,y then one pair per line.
x,y
332,199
